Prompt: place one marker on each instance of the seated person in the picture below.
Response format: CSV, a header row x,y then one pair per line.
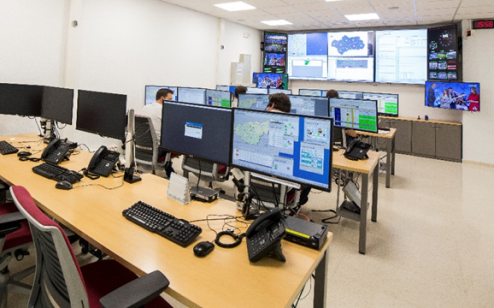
x,y
238,90
350,134
154,112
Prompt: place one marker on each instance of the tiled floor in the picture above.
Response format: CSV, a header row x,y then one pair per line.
x,y
432,246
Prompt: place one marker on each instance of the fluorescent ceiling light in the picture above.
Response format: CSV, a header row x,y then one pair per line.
x,y
280,22
362,16
235,6
332,0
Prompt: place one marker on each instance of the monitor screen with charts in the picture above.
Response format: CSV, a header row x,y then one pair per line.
x,y
218,98
350,94
104,114
273,91
309,105
311,92
354,114
57,104
387,104
256,91
222,88
203,132
19,99
150,91
293,147
253,101
192,95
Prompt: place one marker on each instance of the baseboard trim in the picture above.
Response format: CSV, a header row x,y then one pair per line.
x,y
478,163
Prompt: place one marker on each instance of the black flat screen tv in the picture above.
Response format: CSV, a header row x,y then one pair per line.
x,y
463,96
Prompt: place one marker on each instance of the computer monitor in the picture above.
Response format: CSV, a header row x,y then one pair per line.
x,y
101,113
312,92
293,147
203,132
256,91
308,105
355,114
273,91
222,88
253,101
150,93
218,98
192,95
19,99
57,104
350,94
387,104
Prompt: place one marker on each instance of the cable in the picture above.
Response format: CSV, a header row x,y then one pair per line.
x,y
199,177
37,124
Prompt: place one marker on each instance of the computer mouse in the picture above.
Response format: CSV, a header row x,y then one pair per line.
x,y
202,249
24,153
64,185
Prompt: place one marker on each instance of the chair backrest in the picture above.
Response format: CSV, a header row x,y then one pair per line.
x,y
58,281
146,142
209,171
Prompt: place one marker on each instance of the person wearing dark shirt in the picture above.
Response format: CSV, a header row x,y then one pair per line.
x,y
431,95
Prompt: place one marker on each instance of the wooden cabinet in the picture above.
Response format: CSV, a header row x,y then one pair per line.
x,y
403,138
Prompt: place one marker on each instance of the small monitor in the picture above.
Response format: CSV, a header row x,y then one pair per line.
x,y
256,91
273,91
293,147
350,94
218,98
308,105
355,114
311,92
222,88
203,132
57,104
19,99
387,104
150,96
192,95
103,114
253,101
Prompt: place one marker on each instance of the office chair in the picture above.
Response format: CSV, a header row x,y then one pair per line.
x,y
60,282
210,172
15,239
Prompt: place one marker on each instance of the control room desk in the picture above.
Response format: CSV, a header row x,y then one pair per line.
x,y
224,278
367,168
390,151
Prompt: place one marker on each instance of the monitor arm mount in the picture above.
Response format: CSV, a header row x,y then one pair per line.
x,y
48,131
244,197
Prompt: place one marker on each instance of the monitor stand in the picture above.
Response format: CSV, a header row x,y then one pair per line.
x,y
48,134
129,175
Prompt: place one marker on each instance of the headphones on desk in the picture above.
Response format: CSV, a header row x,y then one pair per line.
x,y
229,232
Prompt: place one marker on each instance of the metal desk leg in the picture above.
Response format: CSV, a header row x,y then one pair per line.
x,y
375,187
363,213
388,162
320,285
393,154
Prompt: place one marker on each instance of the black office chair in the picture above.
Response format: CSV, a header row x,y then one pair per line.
x,y
210,172
146,150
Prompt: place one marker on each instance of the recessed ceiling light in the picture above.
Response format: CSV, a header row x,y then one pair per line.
x,y
362,16
235,6
280,22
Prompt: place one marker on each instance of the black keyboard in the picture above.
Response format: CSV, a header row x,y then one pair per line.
x,y
57,173
176,230
7,148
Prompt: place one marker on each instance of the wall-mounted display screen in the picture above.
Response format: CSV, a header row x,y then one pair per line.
x,y
443,53
308,56
275,46
453,95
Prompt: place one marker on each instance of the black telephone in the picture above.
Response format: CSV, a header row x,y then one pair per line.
x,y
103,161
57,150
264,236
357,150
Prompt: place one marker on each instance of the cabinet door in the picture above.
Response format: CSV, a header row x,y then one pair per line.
x,y
424,139
384,122
403,138
448,142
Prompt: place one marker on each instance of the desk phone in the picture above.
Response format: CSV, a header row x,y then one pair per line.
x,y
264,236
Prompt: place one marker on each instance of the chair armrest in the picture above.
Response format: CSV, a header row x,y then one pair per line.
x,y
10,223
136,293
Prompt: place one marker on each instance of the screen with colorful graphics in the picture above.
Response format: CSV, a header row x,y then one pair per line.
x,y
355,114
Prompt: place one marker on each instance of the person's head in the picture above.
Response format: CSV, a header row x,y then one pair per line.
x,y
433,85
280,102
164,95
445,91
473,90
240,90
332,94
450,90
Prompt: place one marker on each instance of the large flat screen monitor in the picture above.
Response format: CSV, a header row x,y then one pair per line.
x,y
257,90
203,132
104,114
253,101
308,56
57,104
453,95
387,104
150,93
350,94
218,98
270,80
19,99
274,91
192,95
309,105
354,114
312,92
444,53
293,147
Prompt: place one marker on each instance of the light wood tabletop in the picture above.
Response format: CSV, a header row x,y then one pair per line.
x,y
365,166
386,135
224,278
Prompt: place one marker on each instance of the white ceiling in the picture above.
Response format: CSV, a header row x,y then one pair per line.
x,y
319,14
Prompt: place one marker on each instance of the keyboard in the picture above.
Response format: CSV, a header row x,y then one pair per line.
x,y
176,230
7,148
57,173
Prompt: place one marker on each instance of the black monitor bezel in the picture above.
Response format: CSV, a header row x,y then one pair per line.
x,y
281,177
206,98
312,90
71,109
397,104
358,129
149,85
178,97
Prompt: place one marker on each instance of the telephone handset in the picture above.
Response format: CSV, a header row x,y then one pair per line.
x,y
264,236
357,150
103,161
57,150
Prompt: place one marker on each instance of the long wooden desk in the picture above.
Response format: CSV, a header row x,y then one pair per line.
x,y
390,151
224,278
367,168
